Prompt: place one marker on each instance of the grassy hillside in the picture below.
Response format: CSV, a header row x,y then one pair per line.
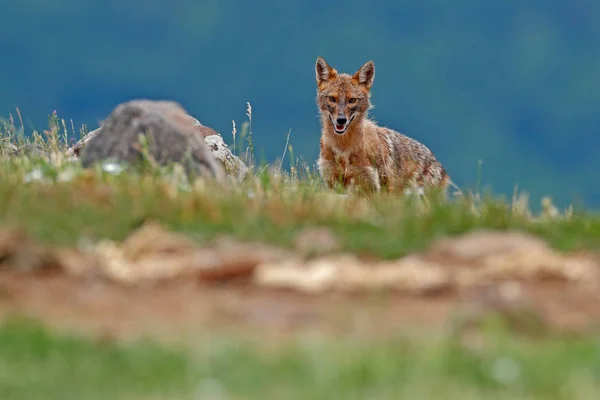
x,y
61,204
58,201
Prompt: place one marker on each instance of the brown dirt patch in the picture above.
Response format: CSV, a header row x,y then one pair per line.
x,y
187,310
160,284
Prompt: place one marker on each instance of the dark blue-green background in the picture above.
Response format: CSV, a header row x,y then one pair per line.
x,y
515,83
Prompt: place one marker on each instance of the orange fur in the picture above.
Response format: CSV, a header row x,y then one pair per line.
x,y
356,151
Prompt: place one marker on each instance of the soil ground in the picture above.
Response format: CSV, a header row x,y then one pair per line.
x,y
184,309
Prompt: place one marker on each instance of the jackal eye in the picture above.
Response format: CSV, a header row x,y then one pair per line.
x,y
352,100
332,99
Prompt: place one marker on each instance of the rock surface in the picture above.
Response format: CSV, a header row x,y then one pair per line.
x,y
234,167
170,138
189,128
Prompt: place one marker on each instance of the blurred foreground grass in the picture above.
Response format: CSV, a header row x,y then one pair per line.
x,y
35,364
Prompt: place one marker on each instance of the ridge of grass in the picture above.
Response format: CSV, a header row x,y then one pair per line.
x,y
59,202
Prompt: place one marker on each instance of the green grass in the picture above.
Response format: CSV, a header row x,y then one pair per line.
x,y
35,364
99,205
59,202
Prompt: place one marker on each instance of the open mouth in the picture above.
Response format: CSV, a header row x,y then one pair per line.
x,y
340,129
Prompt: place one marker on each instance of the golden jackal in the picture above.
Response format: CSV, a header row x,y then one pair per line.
x,y
359,153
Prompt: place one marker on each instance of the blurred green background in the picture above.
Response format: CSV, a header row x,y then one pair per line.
x,y
513,83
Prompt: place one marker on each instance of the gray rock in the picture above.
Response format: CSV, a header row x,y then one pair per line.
x,y
171,138
8,150
30,150
234,167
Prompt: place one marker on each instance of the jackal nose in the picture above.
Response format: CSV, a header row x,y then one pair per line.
x,y
341,120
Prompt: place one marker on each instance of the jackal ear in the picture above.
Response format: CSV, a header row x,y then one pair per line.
x,y
365,75
323,71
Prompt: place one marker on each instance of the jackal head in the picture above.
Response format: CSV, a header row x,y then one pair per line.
x,y
343,98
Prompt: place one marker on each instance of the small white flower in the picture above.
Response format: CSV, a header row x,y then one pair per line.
x,y
34,175
418,190
112,168
65,176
